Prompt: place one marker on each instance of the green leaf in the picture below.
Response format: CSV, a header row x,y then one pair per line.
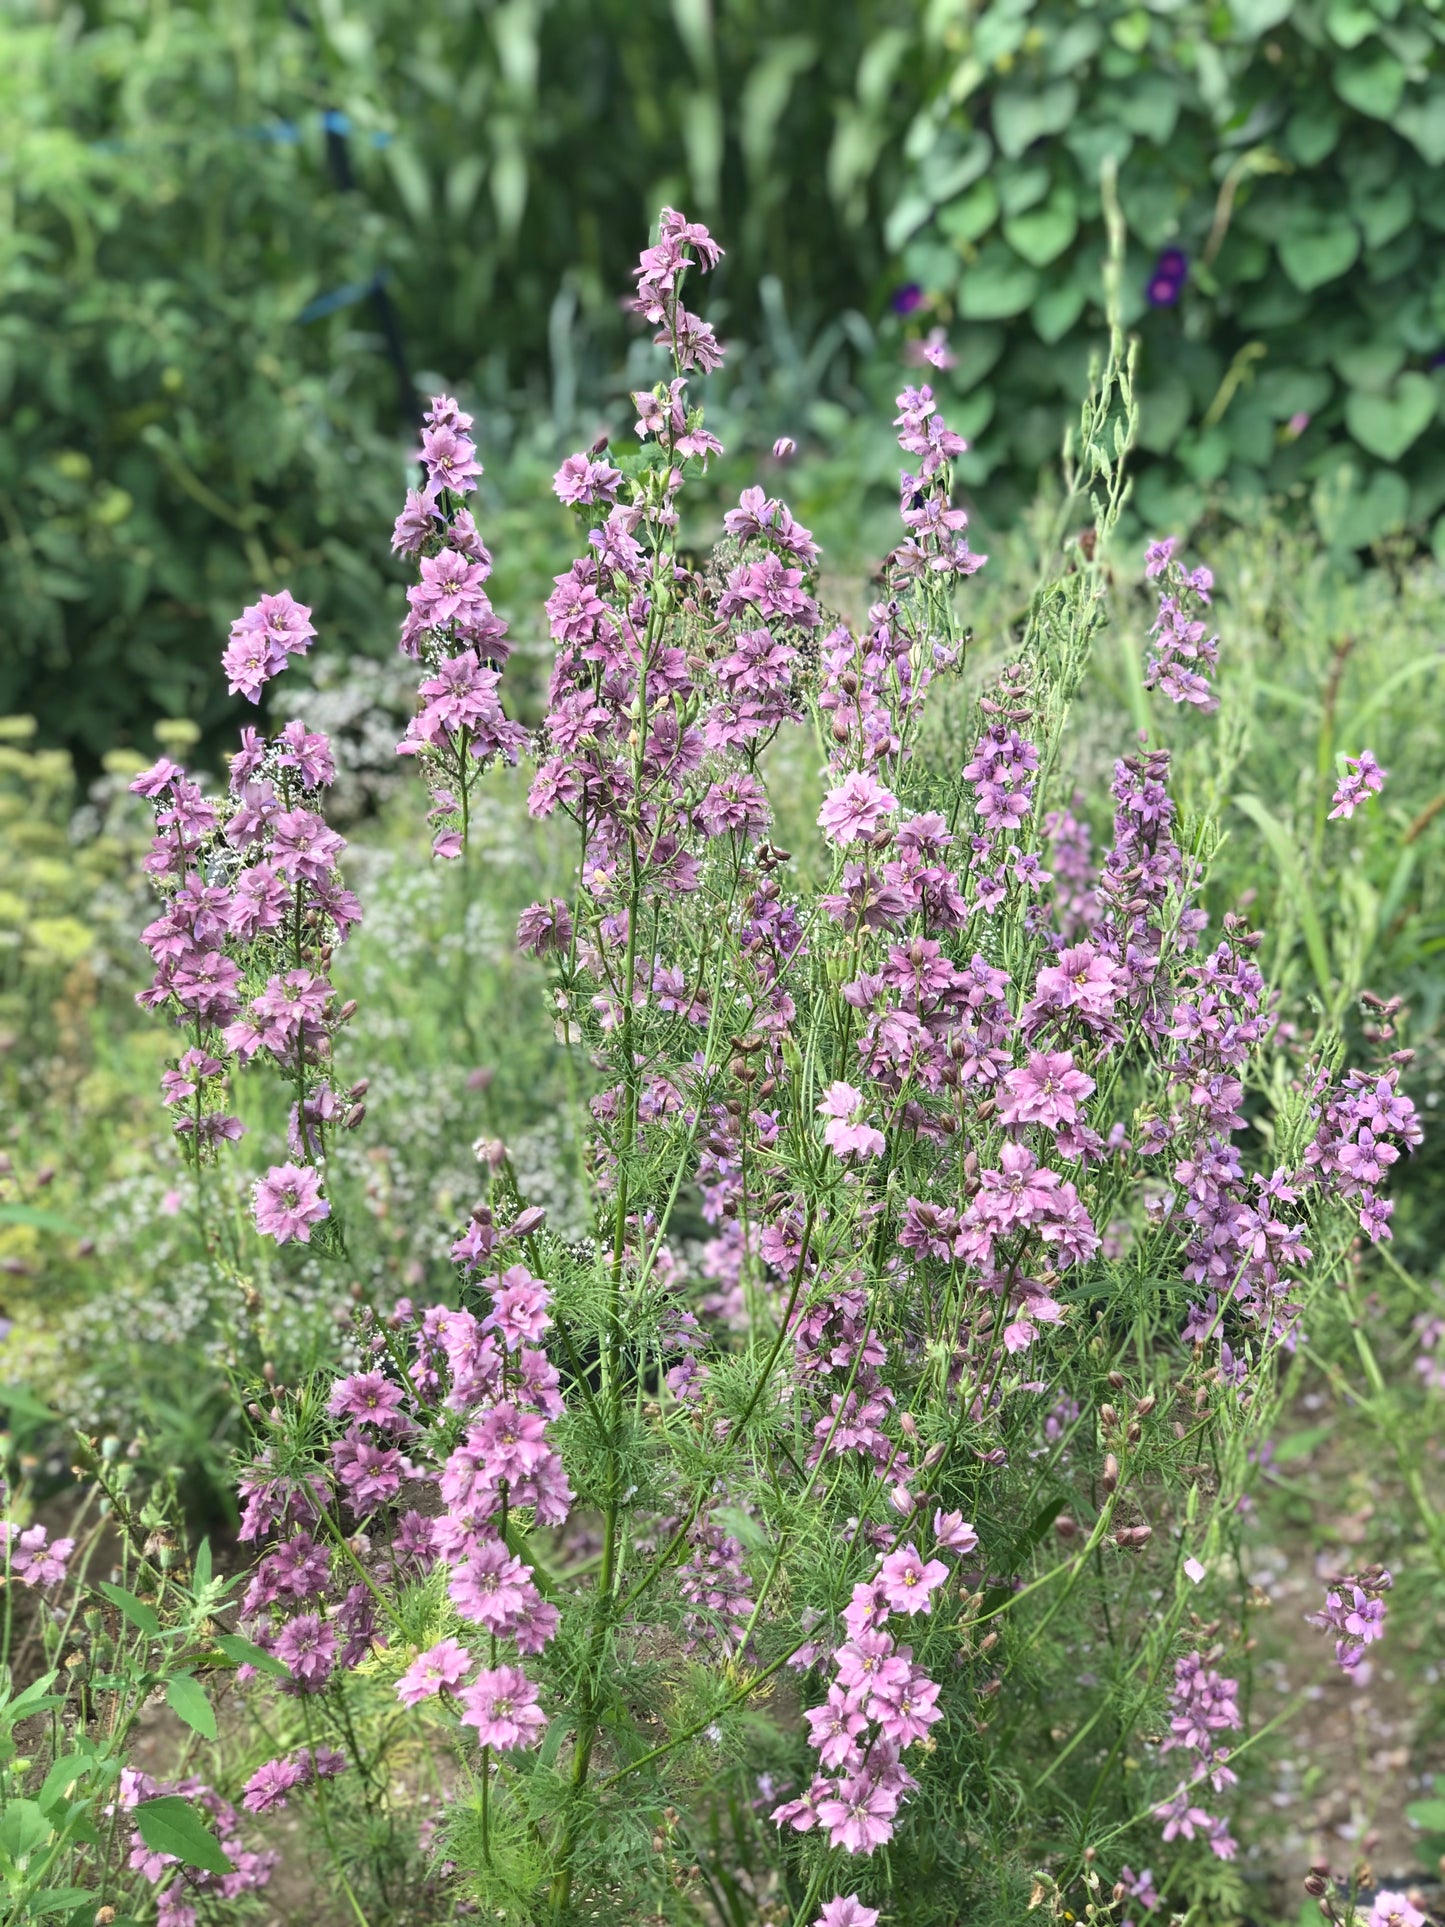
x,y
244,1653
1057,309
1023,115
1348,22
1427,1814
1387,424
1313,133
1371,84
23,1828
186,1698
135,1610
22,1404
1292,876
972,215
1322,252
54,1900
1383,216
1422,122
62,1776
201,1573
1371,365
1255,17
170,1824
34,1214
31,1700
1042,234
996,286
1299,1445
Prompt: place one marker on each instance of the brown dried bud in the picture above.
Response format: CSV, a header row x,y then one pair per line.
x,y
1116,1379
1108,1418
359,1089
1316,1884
1144,1406
347,1011
1111,1472
840,730
1135,1432
1065,1527
354,1117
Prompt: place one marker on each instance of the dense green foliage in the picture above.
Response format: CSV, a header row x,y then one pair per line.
x,y
212,304
1290,149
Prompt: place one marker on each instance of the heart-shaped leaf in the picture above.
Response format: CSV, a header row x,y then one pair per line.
x,y
1370,83
1422,122
1313,255
1023,115
996,286
1386,424
1042,234
1370,365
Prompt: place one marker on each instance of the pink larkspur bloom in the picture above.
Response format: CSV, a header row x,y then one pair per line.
x,y
855,809
502,1705
288,1202
443,1667
907,1580
847,1911
845,1134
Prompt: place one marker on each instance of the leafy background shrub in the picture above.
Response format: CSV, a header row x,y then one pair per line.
x,y
234,235
1289,150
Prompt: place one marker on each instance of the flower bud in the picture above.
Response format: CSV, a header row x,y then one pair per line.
x,y
347,1011
1111,1472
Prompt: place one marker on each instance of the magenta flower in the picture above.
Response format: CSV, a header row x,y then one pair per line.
x,y
1363,777
371,1398
1389,1909
32,1561
855,809
288,1202
268,1786
1047,1090
847,1911
582,482
907,1581
491,1587
306,1645
442,1668
859,1817
952,1534
845,1134
502,1705
519,1308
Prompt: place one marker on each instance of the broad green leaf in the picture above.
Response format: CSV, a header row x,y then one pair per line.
x,y
1372,83
1422,122
23,1828
1299,1445
971,216
201,1572
31,1700
1370,365
62,1776
1042,234
186,1698
1313,255
141,1616
1023,115
996,286
1427,1814
1348,22
1292,876
1383,216
55,1900
170,1824
1057,309
244,1653
1254,17
1312,133
1387,424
